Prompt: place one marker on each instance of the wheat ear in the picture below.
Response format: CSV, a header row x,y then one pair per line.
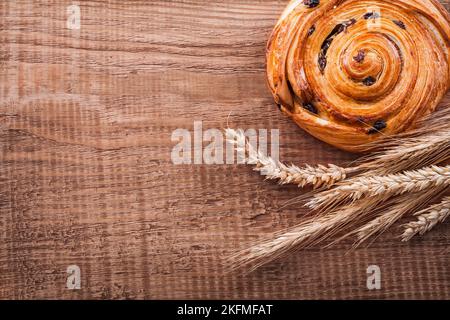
x,y
372,186
394,210
311,232
318,176
407,152
427,219
427,144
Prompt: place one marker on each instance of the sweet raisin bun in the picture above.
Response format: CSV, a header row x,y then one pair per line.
x,y
351,71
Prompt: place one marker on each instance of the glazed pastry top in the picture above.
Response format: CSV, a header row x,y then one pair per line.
x,y
351,71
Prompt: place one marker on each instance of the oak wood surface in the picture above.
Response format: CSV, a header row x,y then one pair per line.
x,y
86,118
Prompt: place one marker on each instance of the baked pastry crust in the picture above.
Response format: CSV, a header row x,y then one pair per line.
x,y
351,71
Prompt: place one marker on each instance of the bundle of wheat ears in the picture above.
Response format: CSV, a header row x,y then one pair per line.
x,y
404,175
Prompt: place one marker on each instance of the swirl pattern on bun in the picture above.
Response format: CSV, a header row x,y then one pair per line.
x,y
351,71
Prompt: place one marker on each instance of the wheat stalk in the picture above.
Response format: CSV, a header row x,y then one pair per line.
x,y
401,176
409,147
413,152
427,144
318,176
427,219
318,229
392,185
308,233
393,211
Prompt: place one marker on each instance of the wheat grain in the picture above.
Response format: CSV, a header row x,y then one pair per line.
x,y
318,176
427,219
372,186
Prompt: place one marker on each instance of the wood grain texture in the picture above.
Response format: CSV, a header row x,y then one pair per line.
x,y
86,118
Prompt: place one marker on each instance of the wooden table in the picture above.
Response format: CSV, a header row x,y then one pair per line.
x,y
86,118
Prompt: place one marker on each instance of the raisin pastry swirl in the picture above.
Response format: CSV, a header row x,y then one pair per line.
x,y
350,71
